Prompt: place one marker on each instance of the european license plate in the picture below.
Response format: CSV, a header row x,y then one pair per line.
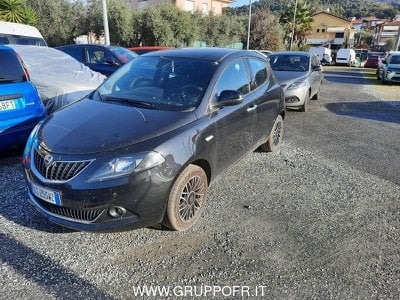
x,y
46,194
7,105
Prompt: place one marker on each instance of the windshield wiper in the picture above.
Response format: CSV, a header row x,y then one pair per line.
x,y
130,101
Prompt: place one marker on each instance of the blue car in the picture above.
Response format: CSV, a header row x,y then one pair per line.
x,y
20,105
105,59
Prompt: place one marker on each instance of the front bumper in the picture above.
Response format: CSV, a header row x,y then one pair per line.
x,y
295,97
140,198
392,76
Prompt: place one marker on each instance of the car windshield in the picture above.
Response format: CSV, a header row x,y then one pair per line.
x,y
395,60
13,39
10,68
289,62
123,54
159,82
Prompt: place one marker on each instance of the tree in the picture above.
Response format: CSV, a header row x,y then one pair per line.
x,y
60,20
221,31
17,11
303,22
264,32
164,25
120,20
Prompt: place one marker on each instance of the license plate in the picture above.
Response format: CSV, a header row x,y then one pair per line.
x,y
47,195
7,105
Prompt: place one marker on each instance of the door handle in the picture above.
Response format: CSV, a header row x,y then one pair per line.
x,y
253,107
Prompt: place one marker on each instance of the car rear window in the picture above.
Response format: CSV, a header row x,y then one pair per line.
x,y
10,67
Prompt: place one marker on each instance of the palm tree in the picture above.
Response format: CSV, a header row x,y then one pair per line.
x,y
303,21
17,11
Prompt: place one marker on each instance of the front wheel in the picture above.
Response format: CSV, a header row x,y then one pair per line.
x,y
186,199
275,136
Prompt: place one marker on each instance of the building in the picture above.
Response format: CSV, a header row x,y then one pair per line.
x,y
205,6
331,31
385,32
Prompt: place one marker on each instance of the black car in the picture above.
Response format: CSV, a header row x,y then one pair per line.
x,y
144,147
105,59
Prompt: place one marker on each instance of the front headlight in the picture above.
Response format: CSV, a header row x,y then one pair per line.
x,y
297,84
121,166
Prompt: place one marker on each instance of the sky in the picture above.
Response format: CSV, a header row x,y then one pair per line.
x,y
240,3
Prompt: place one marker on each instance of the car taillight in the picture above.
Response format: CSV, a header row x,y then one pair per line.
x,y
23,67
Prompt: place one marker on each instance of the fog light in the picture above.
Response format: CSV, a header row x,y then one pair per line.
x,y
116,212
292,99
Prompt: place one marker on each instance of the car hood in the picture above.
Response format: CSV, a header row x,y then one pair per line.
x,y
90,126
285,77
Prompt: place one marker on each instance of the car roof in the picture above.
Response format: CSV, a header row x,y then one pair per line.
x,y
150,48
2,47
85,45
205,53
292,53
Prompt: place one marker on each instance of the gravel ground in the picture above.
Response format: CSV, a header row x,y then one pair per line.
x,y
316,220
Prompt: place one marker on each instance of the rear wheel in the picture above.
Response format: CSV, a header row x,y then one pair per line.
x,y
186,199
275,136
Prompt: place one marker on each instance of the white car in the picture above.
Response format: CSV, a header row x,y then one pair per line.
x,y
59,78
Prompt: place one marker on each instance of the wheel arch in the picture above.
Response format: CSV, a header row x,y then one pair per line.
x,y
205,165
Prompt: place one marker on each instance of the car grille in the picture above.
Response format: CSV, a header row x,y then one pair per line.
x,y
58,170
82,215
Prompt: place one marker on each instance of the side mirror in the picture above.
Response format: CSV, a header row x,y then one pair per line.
x,y
384,61
229,98
111,61
317,68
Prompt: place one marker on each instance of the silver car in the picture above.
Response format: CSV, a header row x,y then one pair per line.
x,y
389,68
300,75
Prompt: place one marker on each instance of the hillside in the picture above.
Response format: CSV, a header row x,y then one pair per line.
x,y
385,9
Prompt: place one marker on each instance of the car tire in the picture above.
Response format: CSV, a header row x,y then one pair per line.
x,y
304,107
275,136
315,97
186,199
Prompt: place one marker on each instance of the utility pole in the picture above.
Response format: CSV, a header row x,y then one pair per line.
x,y
249,24
105,23
293,27
397,40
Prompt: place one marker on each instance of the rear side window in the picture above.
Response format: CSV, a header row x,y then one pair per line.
x,y
259,73
75,52
10,67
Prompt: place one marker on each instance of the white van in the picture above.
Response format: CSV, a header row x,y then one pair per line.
x,y
346,56
324,54
20,34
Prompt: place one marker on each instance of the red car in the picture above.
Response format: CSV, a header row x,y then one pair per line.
x,y
372,61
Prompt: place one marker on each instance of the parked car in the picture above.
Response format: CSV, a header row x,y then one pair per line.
x,y
389,69
324,54
346,56
20,105
20,34
59,78
372,61
300,75
105,59
144,147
